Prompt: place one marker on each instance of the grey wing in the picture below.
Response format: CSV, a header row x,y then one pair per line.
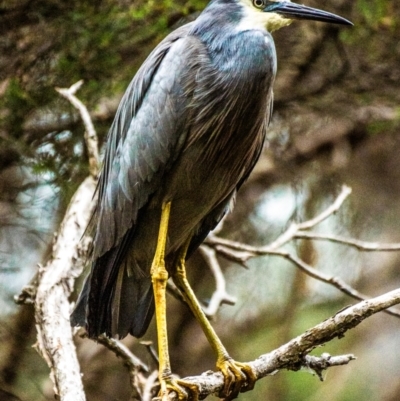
x,y
146,135
215,216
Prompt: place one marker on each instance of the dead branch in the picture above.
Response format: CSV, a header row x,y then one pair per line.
x,y
121,351
149,386
90,132
56,279
241,253
293,355
219,296
136,368
360,245
288,235
52,307
325,361
336,282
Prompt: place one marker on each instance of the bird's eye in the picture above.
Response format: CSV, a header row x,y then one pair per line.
x,y
258,3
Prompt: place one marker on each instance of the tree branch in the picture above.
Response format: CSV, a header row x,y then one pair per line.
x,y
325,361
336,282
56,279
52,307
288,235
90,132
121,351
134,365
293,355
219,296
360,245
241,253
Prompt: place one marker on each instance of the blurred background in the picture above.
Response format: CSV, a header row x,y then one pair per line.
x,y
336,121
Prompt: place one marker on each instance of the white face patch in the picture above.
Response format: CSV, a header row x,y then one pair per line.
x,y
255,18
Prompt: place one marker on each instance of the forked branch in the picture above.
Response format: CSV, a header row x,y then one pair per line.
x,y
241,253
294,354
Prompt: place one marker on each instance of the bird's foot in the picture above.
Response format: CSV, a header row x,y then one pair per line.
x,y
185,391
239,377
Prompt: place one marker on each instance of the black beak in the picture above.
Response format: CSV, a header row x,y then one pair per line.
x,y
296,11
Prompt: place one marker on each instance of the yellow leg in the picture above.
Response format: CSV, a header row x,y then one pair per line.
x,y
238,376
159,277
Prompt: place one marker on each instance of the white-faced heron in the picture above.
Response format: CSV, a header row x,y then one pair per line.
x,y
186,135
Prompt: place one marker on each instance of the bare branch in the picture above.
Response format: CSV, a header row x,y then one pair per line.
x,y
220,296
136,368
288,235
336,282
90,132
52,308
28,293
56,279
346,191
360,245
151,350
174,291
238,249
121,351
240,253
151,382
292,355
325,361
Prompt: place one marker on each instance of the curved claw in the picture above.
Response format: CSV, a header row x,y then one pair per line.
x,y
239,377
186,391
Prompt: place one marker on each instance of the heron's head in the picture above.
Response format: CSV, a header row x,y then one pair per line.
x,y
275,14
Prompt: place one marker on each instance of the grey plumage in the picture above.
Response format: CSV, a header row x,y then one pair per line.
x,y
189,129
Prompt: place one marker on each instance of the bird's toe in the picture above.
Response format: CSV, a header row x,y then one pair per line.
x,y
239,377
184,390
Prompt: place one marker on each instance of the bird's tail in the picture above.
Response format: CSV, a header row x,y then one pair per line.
x,y
114,300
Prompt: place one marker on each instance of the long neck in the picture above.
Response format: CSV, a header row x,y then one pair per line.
x,y
217,22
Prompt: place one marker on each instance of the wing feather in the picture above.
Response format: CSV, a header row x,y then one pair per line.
x,y
147,133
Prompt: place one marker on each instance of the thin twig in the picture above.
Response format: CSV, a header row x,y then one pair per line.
x,y
336,205
151,350
174,291
219,296
151,382
336,282
325,361
90,132
56,279
288,235
121,351
360,245
135,366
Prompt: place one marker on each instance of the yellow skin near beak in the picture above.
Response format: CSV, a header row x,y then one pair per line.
x,y
256,18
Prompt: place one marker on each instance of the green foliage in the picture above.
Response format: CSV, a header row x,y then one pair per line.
x,y
371,16
102,43
382,126
374,12
89,48
17,102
